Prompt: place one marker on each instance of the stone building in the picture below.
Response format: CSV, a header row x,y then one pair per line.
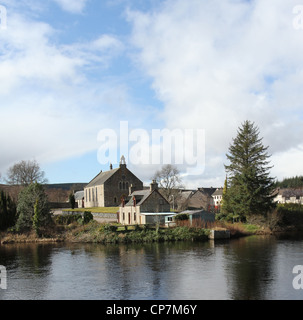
x,y
202,199
144,207
289,195
108,188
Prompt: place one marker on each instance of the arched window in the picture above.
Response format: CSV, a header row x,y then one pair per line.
x,y
120,185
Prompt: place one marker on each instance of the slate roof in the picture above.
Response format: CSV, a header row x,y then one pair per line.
x,y
79,195
218,192
288,192
140,195
102,177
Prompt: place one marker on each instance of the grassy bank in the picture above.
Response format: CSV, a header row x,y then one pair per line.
x,y
72,228
94,232
94,210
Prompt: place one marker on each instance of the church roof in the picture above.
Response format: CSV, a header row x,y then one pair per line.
x,y
101,178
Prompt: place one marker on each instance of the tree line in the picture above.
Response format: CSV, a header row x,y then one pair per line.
x,y
293,182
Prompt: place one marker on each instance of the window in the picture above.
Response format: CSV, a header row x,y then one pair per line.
x,y
93,194
115,200
123,216
96,194
89,194
161,201
135,216
120,185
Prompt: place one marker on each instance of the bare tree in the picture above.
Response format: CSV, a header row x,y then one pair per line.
x,y
24,173
169,180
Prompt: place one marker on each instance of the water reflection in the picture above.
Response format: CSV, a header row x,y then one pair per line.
x,y
247,268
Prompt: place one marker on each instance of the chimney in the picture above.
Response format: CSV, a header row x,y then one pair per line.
x,y
110,167
153,186
131,189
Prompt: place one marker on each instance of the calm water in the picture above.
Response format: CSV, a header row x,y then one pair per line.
x,y
248,268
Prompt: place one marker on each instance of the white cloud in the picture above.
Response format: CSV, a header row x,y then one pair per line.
x,y
72,6
217,64
49,109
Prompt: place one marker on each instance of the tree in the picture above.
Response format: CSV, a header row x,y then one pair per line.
x,y
36,217
169,180
72,200
24,173
250,188
32,202
7,211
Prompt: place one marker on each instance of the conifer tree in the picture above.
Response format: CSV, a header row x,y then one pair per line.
x,y
250,189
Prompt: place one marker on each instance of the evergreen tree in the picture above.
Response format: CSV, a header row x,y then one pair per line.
x,y
72,200
250,186
7,211
36,217
27,200
225,202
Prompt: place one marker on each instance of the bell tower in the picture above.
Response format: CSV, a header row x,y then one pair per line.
x,y
122,162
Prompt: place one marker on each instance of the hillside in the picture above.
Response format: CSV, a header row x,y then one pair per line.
x,y
57,192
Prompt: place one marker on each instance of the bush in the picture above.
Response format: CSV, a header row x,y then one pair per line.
x,y
181,217
87,217
68,219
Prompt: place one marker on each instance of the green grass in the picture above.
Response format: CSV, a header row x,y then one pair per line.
x,y
95,210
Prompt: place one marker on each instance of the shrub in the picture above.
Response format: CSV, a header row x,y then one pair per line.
x,y
87,217
181,217
68,219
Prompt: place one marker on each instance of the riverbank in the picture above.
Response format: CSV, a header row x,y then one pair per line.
x,y
95,232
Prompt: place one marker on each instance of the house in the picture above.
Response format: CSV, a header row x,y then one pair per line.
x,y
181,201
79,198
289,195
217,198
202,199
108,188
144,207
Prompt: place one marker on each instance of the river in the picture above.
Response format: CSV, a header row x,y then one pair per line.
x,y
255,267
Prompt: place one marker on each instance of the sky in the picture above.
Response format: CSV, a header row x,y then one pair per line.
x,y
79,77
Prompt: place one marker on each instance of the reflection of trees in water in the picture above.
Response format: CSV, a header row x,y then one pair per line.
x,y
36,257
142,271
249,267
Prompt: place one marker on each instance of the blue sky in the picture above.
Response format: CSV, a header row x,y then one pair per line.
x,y
70,68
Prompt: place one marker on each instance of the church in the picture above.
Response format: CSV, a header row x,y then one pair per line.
x,y
108,188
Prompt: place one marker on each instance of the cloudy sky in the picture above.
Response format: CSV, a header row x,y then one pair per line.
x,y
72,69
